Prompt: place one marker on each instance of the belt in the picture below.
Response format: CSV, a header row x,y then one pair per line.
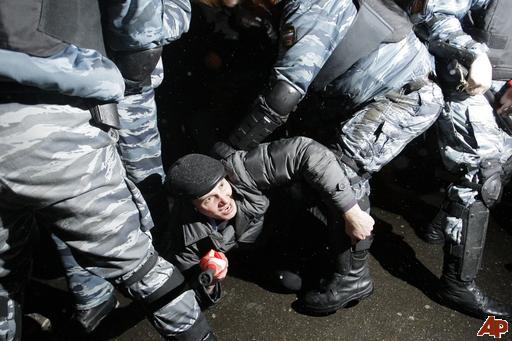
x,y
103,113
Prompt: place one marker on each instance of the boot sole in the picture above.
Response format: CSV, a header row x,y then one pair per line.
x,y
470,312
431,238
432,241
331,309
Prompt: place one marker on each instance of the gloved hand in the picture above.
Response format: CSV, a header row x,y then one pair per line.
x,y
358,223
505,105
217,263
480,76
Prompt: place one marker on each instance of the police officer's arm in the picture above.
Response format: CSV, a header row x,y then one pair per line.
x,y
283,161
438,23
137,30
177,15
309,32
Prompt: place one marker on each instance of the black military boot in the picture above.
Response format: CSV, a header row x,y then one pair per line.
x,y
433,232
465,296
350,282
462,262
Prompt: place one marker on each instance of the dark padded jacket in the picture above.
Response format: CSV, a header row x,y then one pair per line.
x,y
252,173
191,235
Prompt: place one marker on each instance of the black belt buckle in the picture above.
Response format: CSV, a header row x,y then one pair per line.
x,y
106,114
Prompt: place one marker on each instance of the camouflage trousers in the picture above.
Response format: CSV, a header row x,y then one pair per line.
x,y
140,150
469,136
379,131
139,140
58,171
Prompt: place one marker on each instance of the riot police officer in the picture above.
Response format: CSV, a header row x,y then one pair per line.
x,y
140,149
58,161
365,60
471,41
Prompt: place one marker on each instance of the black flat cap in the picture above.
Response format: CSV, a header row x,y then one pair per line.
x,y
194,175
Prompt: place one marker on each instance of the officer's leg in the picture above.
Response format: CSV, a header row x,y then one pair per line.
x,y
94,296
72,175
367,142
114,246
140,149
462,260
473,147
109,241
139,140
350,280
15,232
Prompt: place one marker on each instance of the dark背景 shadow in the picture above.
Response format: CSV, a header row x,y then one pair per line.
x,y
401,262
55,305
292,241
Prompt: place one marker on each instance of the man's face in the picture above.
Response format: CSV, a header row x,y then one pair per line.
x,y
218,203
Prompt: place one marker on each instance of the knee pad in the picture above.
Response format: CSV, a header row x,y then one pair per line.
x,y
267,114
474,230
491,173
153,292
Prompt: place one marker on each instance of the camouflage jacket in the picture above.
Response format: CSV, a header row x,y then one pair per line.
x,y
75,71
440,20
317,27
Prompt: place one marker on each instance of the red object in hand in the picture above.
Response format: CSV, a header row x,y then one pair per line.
x,y
217,262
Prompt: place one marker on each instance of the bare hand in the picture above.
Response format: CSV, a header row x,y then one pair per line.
x,y
358,224
480,76
505,106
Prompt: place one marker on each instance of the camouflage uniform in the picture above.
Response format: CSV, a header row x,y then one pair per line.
x,y
386,100
60,171
383,116
139,147
469,135
473,147
140,151
139,140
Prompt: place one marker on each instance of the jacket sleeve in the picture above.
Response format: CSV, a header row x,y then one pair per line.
x,y
73,71
145,24
283,161
438,23
186,259
177,15
204,298
314,28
